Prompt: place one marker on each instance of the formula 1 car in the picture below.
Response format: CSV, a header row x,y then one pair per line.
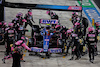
x,y
48,42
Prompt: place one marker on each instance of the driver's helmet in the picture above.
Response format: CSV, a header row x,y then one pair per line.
x,y
91,29
19,15
47,27
57,27
10,24
30,12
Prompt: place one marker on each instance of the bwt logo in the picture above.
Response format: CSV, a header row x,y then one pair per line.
x,y
49,21
75,7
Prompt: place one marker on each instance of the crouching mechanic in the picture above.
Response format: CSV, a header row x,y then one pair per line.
x,y
19,44
92,41
46,32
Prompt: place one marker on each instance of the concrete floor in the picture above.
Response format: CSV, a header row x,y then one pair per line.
x,y
56,60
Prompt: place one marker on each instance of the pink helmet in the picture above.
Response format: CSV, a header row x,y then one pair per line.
x,y
76,13
19,15
5,23
78,18
48,12
90,29
72,29
30,13
73,13
69,31
10,24
57,26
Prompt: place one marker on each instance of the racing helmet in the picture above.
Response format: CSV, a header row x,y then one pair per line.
x,y
53,25
10,24
72,30
76,13
19,15
78,19
90,29
52,13
68,31
30,12
48,12
47,27
57,27
73,13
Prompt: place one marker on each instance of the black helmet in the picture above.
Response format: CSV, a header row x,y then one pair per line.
x,y
47,27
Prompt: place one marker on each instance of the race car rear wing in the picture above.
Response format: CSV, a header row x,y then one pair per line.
x,y
48,21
